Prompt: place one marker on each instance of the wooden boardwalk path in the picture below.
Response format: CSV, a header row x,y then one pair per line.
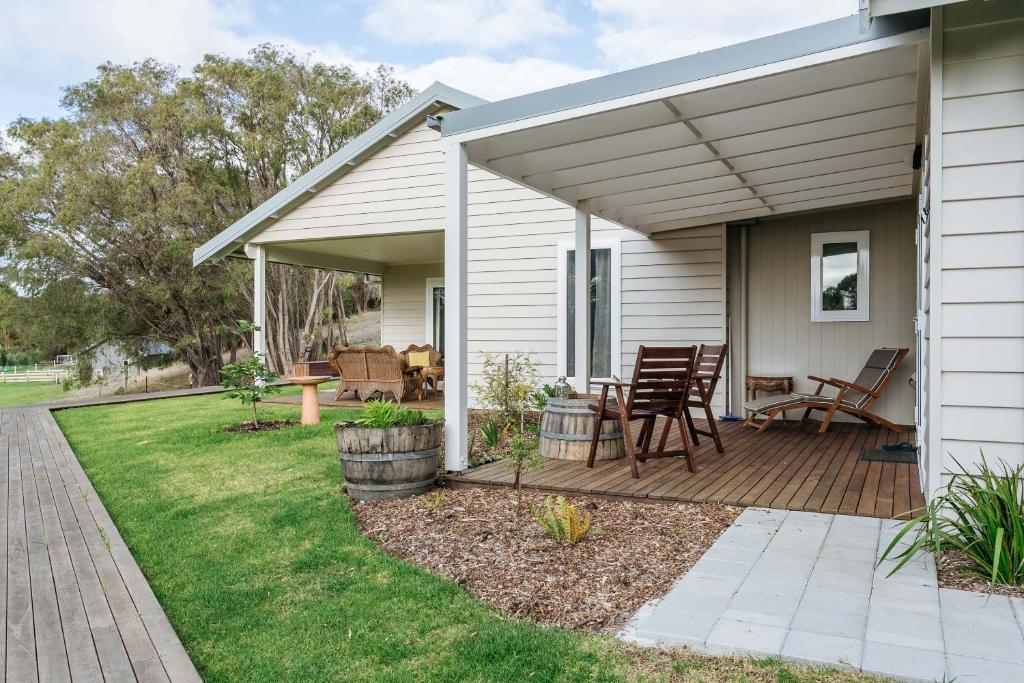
x,y
73,603
789,466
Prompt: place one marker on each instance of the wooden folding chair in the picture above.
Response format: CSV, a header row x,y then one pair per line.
x,y
661,384
706,373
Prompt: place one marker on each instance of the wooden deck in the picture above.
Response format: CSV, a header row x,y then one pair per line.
x,y
788,467
73,603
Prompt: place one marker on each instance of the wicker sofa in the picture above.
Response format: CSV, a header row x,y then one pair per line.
x,y
366,370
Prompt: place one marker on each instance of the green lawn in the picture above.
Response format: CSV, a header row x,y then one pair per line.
x,y
255,555
26,393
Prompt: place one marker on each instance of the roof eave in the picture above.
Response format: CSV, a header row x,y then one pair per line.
x,y
702,65
229,239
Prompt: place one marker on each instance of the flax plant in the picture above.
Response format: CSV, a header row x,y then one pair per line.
x,y
980,515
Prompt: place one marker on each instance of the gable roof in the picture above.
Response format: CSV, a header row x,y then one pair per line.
x,y
702,65
405,116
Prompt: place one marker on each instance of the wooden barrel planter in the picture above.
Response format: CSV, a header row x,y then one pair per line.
x,y
566,428
393,462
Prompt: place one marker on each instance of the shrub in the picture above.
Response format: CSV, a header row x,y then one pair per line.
x,y
506,385
540,396
522,454
249,380
562,520
382,414
981,515
490,431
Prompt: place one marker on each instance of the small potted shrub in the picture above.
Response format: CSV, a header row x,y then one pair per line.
x,y
389,451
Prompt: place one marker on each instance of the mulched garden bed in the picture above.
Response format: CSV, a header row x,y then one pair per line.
x,y
479,452
263,426
955,571
473,537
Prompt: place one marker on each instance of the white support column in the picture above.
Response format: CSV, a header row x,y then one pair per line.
x,y
582,299
258,254
456,228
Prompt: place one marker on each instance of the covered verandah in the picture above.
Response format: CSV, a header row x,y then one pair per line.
x,y
795,124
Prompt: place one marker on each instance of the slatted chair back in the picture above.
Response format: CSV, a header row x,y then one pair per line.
x,y
706,373
661,380
708,370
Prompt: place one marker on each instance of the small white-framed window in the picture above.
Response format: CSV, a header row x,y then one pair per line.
x,y
605,306
840,276
434,334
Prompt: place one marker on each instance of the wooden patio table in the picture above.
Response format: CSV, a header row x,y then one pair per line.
x,y
310,396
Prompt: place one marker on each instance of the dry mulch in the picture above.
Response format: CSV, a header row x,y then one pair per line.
x,y
263,426
956,571
473,537
479,452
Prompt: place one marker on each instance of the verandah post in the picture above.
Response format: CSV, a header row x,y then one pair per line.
x,y
456,228
581,352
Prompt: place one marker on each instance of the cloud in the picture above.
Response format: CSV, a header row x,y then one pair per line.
x,y
48,44
493,79
479,25
635,32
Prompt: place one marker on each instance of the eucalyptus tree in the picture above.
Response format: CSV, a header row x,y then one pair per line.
x,y
146,164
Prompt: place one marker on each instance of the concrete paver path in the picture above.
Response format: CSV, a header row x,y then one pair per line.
x,y
804,586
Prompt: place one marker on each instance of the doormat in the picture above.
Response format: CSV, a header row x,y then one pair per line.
x,y
895,455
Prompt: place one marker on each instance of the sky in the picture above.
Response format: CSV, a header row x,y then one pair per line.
x,y
491,48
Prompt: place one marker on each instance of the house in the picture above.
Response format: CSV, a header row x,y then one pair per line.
x,y
110,358
882,153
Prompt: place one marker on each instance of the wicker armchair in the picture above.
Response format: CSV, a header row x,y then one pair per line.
x,y
431,372
369,369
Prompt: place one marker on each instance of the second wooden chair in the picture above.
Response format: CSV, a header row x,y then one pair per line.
x,y
661,385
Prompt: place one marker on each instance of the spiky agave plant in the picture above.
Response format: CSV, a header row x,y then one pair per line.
x,y
980,515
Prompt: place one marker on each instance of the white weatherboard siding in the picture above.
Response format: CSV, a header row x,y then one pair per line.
x,y
404,313
399,189
782,340
982,233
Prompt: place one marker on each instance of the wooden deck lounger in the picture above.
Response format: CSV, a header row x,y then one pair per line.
x,y
853,398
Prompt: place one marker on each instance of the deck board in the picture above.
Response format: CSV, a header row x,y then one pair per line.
x,y
789,466
76,606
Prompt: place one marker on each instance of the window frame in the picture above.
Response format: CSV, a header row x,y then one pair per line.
x,y
564,247
863,240
432,283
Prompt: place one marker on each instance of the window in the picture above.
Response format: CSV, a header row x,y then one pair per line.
x,y
435,313
604,306
839,276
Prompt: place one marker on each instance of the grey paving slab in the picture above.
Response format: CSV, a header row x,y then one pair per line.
x,y
903,628
806,587
741,637
810,647
904,663
977,670
830,622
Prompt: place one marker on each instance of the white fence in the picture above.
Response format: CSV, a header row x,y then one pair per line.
x,y
50,375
